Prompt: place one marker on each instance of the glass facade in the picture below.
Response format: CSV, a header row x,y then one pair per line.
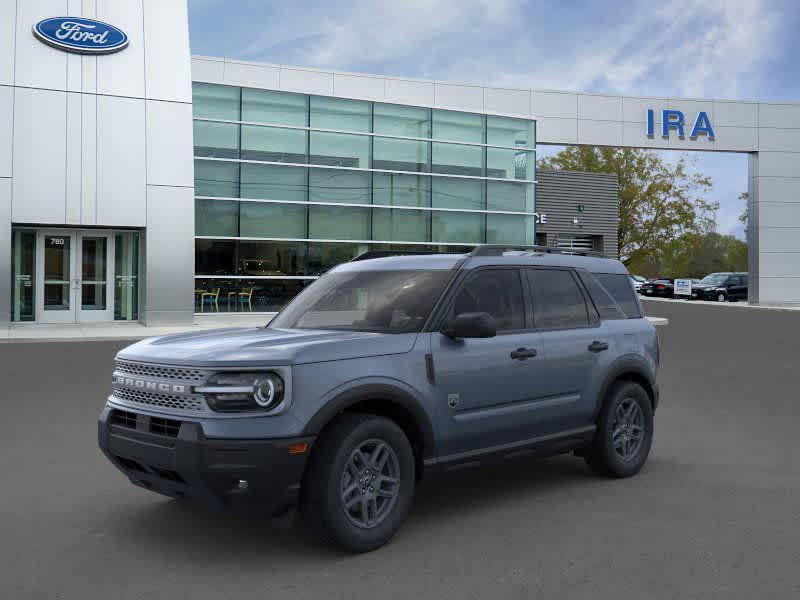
x,y
289,185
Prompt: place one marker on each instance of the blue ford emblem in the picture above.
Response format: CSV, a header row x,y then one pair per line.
x,y
76,34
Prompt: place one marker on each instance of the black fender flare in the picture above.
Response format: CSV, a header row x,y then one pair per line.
x,y
629,364
378,392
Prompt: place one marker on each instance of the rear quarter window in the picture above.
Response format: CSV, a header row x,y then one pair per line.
x,y
621,289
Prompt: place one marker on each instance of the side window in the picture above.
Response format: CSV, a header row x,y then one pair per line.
x,y
621,289
557,300
495,291
606,305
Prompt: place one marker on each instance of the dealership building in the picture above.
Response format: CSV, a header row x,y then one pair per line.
x,y
139,183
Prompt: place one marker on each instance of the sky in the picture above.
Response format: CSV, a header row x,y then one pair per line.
x,y
733,49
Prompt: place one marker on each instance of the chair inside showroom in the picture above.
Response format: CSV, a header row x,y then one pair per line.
x,y
210,298
245,298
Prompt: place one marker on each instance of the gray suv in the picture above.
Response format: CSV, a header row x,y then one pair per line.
x,y
386,370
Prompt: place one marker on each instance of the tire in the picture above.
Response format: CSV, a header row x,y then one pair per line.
x,y
721,297
603,457
336,466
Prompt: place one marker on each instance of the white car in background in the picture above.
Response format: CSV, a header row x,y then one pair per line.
x,y
637,281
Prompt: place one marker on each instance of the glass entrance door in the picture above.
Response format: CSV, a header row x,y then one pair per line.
x,y
73,272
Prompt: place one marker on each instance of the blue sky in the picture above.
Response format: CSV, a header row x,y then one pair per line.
x,y
740,49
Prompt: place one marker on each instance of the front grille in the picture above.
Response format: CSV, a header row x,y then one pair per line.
x,y
123,418
164,426
125,367
153,399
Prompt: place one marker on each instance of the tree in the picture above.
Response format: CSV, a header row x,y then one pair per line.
x,y
659,202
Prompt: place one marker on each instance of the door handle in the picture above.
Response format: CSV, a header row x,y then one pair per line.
x,y
523,353
597,346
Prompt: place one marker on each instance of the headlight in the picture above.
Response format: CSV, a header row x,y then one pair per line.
x,y
238,392
720,289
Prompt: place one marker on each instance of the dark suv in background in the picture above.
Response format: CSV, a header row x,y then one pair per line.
x,y
659,288
722,287
386,370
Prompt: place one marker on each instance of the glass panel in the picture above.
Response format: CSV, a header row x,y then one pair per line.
x,y
502,195
215,101
220,140
271,295
214,257
56,272
400,155
261,219
213,178
557,300
273,144
93,273
281,108
335,185
457,126
339,222
401,225
23,259
507,131
465,228
337,113
407,121
126,276
509,229
401,190
339,150
497,292
216,217
451,192
323,256
272,258
457,159
509,164
273,182
215,295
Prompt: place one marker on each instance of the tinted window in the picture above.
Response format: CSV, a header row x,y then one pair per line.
x,y
621,290
606,305
557,300
497,292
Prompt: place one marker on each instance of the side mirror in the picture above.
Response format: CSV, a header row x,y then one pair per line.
x,y
471,325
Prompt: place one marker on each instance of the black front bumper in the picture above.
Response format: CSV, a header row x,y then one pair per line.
x,y
174,458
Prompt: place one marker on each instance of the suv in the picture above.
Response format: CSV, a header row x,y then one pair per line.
x,y
385,370
721,287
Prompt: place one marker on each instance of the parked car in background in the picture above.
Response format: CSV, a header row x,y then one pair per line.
x,y
638,281
661,288
722,287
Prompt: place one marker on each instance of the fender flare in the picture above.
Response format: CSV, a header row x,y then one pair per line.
x,y
627,364
381,392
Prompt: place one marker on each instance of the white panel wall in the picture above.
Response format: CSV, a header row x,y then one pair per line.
x,y
6,128
169,144
74,159
5,248
8,25
121,73
39,156
167,59
36,64
121,161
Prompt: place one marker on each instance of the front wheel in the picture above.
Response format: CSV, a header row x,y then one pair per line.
x,y
360,483
624,432
721,297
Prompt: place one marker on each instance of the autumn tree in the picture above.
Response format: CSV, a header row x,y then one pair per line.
x,y
659,201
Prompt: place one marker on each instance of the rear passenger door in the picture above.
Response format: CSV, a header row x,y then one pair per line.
x,y
573,342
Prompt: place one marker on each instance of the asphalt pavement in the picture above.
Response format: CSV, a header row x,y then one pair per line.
x,y
714,514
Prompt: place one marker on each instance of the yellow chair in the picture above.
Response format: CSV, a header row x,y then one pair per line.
x,y
246,295
211,297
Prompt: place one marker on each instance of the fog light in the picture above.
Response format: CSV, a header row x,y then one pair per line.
x,y
243,485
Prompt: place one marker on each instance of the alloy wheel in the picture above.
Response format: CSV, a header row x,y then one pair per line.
x,y
370,483
627,431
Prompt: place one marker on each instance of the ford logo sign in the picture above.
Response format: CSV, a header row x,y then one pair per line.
x,y
84,36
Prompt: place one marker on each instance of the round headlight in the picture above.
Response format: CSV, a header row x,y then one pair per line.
x,y
268,391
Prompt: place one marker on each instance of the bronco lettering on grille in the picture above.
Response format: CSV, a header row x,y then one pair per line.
x,y
153,386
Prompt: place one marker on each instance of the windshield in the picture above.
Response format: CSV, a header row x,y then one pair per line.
x,y
714,279
378,301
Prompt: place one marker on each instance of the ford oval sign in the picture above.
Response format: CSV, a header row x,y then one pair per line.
x,y
84,36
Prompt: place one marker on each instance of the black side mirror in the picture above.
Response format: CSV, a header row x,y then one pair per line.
x,y
471,325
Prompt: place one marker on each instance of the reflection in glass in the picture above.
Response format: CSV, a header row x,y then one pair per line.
x,y
324,256
280,108
401,225
507,195
272,258
509,164
216,217
214,257
401,190
264,219
339,150
457,227
215,101
338,222
406,121
56,272
23,260
451,192
126,276
341,114
216,178
457,159
219,140
457,126
273,144
507,131
93,273
338,185
400,155
273,182
509,229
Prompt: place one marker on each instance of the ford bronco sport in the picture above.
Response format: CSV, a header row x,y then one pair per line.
x,y
385,370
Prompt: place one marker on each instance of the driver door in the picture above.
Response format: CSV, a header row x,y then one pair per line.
x,y
485,388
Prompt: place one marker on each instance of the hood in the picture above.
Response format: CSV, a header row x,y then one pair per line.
x,y
241,347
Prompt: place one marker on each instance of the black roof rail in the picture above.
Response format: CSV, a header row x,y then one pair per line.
x,y
386,253
500,249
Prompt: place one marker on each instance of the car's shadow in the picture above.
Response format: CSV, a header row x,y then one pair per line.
x,y
179,527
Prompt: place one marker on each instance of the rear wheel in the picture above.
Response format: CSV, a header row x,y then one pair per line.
x,y
624,432
359,486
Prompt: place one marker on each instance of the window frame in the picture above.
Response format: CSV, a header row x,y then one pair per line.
x,y
592,317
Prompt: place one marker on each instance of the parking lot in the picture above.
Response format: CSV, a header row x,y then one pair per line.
x,y
715,512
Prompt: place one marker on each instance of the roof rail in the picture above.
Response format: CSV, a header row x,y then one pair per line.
x,y
500,249
386,253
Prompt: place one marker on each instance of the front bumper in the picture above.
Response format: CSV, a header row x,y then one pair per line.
x,y
174,458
